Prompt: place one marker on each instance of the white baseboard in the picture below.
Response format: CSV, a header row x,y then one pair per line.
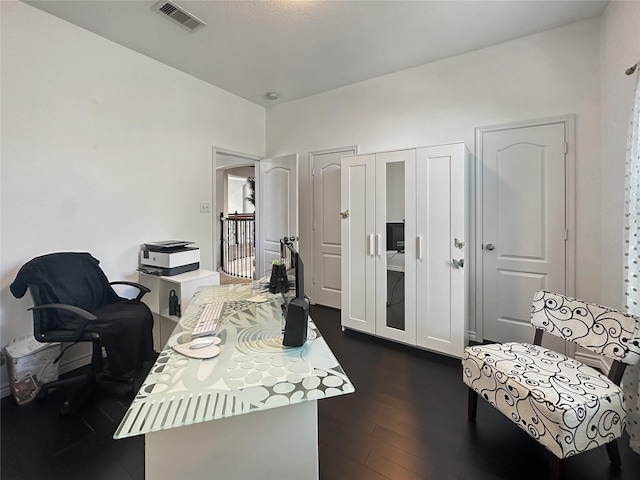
x,y
70,364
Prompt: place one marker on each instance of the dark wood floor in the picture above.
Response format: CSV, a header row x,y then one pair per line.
x,y
407,420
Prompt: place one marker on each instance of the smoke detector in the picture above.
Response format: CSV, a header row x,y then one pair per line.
x,y
178,15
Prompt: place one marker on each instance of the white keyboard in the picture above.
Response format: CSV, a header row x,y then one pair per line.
x,y
209,320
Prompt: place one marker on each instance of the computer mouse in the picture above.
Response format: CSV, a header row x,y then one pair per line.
x,y
201,342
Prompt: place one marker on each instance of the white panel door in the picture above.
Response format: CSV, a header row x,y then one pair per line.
x,y
358,242
277,209
442,218
326,241
523,225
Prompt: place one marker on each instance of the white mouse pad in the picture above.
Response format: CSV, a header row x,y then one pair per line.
x,y
204,352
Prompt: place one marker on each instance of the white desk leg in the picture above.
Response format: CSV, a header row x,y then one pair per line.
x,y
276,444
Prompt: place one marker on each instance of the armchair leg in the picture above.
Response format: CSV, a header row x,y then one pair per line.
x,y
555,467
472,404
614,453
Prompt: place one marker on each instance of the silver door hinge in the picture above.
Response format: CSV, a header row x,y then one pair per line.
x,y
566,147
566,234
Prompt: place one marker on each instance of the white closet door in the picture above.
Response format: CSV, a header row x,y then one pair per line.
x,y
395,268
441,297
358,242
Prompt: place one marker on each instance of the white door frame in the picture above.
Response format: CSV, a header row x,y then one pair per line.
x,y
354,151
246,160
570,244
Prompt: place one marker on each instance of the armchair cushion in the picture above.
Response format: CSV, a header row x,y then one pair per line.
x,y
565,405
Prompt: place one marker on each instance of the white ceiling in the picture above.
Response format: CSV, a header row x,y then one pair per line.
x,y
300,48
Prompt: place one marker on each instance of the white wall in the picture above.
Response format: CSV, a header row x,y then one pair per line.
x,y
544,75
620,50
238,190
103,149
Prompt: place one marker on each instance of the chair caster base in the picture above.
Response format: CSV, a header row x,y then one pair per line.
x,y
41,395
65,409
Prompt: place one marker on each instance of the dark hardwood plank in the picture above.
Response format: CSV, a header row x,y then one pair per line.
x,y
390,469
424,428
406,420
339,466
38,443
355,414
415,464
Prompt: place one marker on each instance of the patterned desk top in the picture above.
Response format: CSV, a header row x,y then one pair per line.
x,y
252,372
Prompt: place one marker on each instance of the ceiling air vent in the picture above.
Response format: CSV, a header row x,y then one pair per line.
x,y
178,15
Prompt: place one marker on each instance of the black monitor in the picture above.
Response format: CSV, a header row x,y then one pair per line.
x,y
395,236
296,311
294,265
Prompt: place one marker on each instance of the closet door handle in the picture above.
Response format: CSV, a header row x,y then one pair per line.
x,y
419,247
371,244
378,244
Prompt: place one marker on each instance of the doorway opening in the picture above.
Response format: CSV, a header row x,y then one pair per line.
x,y
238,226
234,231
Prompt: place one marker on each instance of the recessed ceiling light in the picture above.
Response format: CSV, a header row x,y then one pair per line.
x,y
272,96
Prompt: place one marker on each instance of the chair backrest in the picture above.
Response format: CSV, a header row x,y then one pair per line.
x,y
43,320
68,278
600,329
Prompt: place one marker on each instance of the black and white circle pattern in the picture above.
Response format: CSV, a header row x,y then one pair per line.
x,y
565,405
601,329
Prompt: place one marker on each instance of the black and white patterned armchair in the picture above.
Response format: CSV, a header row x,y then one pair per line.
x,y
565,405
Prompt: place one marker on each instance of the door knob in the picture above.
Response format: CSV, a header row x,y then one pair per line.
x,y
489,246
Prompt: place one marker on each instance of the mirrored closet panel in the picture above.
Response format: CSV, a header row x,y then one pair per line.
x,y
395,176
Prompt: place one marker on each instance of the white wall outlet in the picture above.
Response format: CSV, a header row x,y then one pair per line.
x,y
205,207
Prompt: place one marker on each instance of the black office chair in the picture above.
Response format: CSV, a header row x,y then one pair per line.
x,y
74,302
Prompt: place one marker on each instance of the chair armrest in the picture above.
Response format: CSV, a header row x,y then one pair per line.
x,y
141,288
86,316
